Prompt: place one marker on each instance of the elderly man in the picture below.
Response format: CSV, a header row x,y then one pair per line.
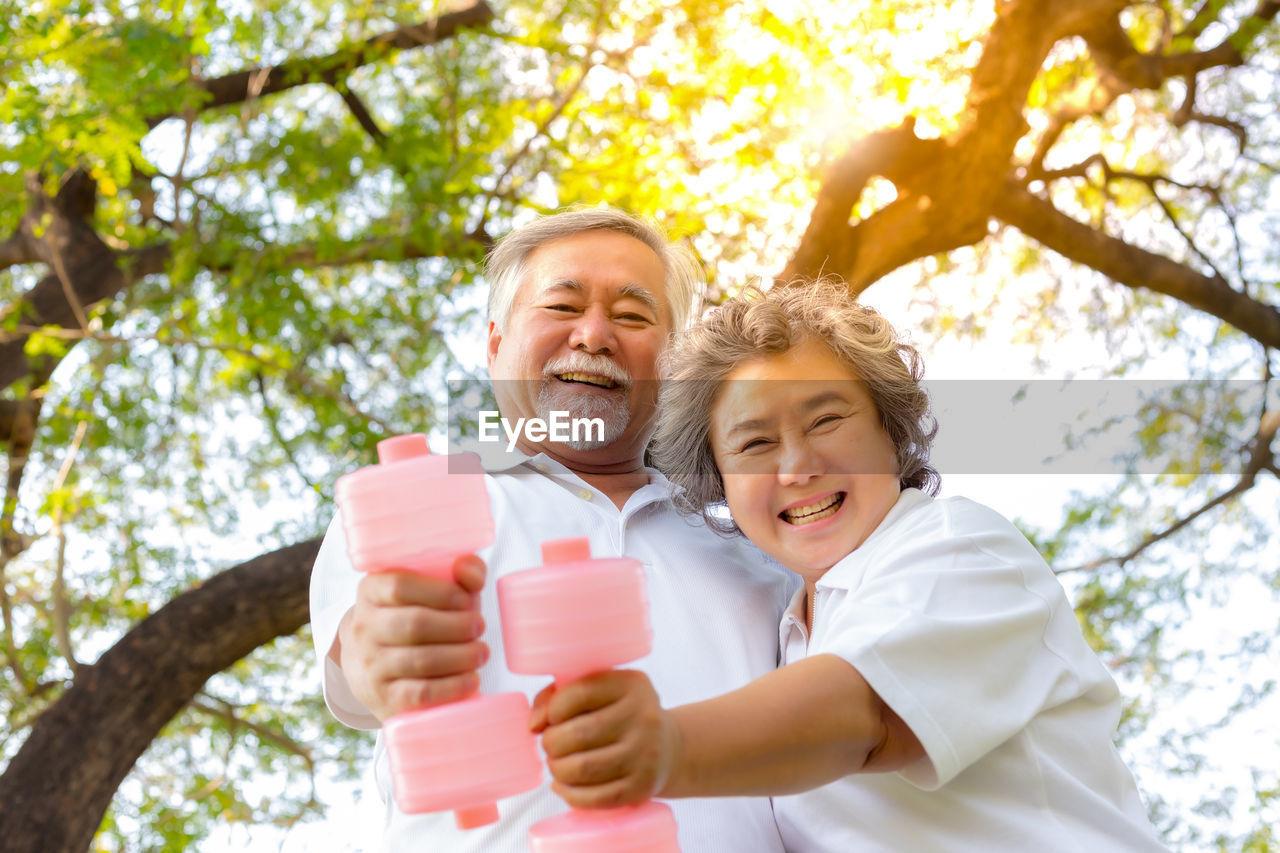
x,y
581,306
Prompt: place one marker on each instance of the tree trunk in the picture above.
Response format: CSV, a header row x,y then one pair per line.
x,y
81,748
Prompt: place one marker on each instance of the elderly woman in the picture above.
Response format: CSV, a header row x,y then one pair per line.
x,y
936,692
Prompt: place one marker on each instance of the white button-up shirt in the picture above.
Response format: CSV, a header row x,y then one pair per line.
x,y
954,619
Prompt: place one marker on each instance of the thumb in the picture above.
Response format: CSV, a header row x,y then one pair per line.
x,y
538,720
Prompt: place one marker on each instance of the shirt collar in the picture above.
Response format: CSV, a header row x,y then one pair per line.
x,y
795,607
793,637
494,456
496,459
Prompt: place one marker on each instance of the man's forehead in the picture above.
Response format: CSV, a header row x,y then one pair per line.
x,y
629,290
581,256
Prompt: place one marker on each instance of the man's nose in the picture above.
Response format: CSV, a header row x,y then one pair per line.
x,y
799,463
593,333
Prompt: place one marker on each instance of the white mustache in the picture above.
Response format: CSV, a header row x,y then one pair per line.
x,y
580,362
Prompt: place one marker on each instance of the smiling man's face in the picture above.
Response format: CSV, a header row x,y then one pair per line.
x,y
583,336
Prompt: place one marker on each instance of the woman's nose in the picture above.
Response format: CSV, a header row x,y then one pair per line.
x,y
799,463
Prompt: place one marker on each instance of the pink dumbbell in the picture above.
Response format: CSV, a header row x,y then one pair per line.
x,y
568,618
418,512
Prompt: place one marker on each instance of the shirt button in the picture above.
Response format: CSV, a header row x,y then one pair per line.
x,y
584,494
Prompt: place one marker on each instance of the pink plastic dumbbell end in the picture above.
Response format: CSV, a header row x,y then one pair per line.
x,y
573,616
418,512
647,828
464,757
414,511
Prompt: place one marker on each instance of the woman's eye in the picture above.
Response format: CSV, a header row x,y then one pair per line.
x,y
753,444
825,420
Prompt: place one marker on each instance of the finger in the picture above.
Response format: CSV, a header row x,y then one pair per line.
x,y
396,663
469,573
416,625
587,694
595,766
619,792
585,732
396,588
408,694
608,796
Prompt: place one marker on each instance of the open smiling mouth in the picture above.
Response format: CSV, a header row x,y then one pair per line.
x,y
588,379
810,513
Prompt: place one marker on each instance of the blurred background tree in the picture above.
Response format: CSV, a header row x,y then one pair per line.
x,y
239,244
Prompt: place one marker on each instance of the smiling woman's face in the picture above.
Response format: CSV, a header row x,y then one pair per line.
x,y
808,470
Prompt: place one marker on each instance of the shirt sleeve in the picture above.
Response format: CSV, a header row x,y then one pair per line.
x,y
960,627
333,592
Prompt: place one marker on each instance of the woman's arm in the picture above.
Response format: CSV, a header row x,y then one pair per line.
x,y
608,741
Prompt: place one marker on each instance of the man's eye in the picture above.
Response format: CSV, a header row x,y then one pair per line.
x,y
561,307
634,318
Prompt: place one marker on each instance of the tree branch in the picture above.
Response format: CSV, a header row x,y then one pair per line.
x,y
557,109
9,409
1087,98
21,435
61,602
1014,49
944,187
252,83
16,250
829,244
365,251
1261,458
106,273
1116,53
1236,128
273,423
1124,68
1200,20
1081,170
362,115
97,274
225,711
1150,181
1132,266
301,378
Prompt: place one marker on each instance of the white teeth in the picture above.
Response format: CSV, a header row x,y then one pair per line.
x,y
815,511
589,379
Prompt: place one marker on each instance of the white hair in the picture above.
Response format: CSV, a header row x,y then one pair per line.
x,y
505,266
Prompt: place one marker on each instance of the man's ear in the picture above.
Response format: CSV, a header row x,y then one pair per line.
x,y
495,339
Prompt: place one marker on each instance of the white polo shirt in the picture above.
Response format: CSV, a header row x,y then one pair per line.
x,y
715,604
959,625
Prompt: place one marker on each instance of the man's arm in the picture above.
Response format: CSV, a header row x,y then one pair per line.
x,y
411,641
608,742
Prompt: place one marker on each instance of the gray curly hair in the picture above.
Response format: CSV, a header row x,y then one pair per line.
x,y
766,323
